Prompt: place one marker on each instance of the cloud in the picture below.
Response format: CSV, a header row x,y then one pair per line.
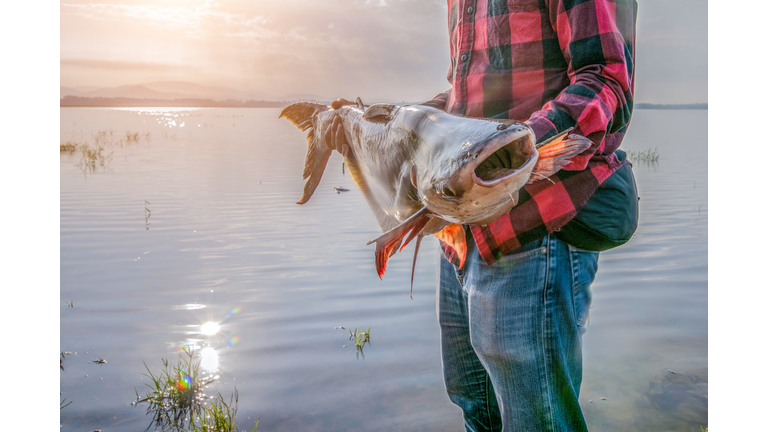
x,y
196,21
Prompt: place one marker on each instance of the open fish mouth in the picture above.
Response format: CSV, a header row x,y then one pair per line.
x,y
504,162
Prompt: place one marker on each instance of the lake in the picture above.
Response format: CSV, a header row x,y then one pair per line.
x,y
192,219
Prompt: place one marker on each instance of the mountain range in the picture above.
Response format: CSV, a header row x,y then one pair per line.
x,y
180,90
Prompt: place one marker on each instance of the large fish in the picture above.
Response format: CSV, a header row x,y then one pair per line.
x,y
423,171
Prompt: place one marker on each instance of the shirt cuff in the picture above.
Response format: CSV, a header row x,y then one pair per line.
x,y
542,127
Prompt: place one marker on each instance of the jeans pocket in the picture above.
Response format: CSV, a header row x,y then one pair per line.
x,y
584,268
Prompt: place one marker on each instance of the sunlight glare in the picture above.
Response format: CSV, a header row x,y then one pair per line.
x,y
210,328
210,359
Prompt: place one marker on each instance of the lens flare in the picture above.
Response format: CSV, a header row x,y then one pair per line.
x,y
184,383
233,340
235,310
210,328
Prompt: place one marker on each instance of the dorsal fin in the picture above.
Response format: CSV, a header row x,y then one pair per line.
x,y
556,153
360,103
379,111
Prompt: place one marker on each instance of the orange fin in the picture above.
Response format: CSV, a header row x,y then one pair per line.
x,y
455,237
387,243
556,153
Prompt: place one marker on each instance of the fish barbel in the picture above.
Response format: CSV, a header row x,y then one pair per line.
x,y
424,171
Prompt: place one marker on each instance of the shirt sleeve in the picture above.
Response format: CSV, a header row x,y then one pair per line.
x,y
596,39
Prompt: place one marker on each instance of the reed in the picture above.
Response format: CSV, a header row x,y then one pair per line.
x,y
647,157
177,401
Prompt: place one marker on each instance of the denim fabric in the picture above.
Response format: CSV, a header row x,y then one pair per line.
x,y
511,336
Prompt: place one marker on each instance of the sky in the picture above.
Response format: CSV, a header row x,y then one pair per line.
x,y
393,49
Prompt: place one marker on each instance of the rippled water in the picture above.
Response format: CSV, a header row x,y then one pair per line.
x,y
199,224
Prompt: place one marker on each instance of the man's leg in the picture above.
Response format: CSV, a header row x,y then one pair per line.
x,y
466,380
525,316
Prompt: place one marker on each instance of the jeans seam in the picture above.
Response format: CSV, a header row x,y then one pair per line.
x,y
545,340
488,402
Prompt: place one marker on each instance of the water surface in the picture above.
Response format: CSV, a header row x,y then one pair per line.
x,y
198,223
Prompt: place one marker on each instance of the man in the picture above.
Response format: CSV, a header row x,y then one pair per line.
x,y
512,317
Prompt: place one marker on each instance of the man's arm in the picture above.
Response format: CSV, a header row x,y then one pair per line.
x,y
597,41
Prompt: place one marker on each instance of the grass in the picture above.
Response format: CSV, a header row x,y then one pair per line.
x,y
91,157
647,157
96,155
177,401
68,147
361,337
62,405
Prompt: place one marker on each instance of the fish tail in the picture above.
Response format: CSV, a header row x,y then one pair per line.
x,y
304,115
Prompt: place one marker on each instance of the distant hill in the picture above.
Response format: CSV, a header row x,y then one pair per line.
x,y
672,106
179,90
77,101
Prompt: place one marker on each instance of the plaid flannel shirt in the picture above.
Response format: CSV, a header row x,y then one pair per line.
x,y
554,64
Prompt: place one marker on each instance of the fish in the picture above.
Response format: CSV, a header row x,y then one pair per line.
x,y
424,172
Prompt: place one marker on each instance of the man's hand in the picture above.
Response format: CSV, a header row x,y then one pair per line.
x,y
334,136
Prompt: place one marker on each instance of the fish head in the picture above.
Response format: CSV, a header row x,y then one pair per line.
x,y
468,170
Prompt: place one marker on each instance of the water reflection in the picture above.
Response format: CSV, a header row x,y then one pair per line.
x,y
190,306
210,328
210,359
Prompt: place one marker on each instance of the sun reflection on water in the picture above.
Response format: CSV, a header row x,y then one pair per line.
x,y
210,359
210,328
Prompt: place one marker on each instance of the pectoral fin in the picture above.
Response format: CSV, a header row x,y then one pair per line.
x,y
388,243
556,153
455,237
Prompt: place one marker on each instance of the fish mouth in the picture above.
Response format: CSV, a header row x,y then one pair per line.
x,y
502,161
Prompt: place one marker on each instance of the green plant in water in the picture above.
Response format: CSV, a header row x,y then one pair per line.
x,y
89,158
177,401
648,157
62,405
68,147
361,337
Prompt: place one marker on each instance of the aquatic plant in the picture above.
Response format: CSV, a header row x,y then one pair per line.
x,y
361,337
647,157
68,147
177,401
62,405
89,157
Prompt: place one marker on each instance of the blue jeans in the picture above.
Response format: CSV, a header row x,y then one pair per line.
x,y
511,336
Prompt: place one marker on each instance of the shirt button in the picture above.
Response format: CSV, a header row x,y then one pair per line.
x,y
463,57
470,10
543,250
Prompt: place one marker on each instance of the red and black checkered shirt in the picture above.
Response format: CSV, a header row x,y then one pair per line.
x,y
554,64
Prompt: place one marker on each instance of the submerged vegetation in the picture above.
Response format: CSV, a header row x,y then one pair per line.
x,y
96,155
177,401
648,157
